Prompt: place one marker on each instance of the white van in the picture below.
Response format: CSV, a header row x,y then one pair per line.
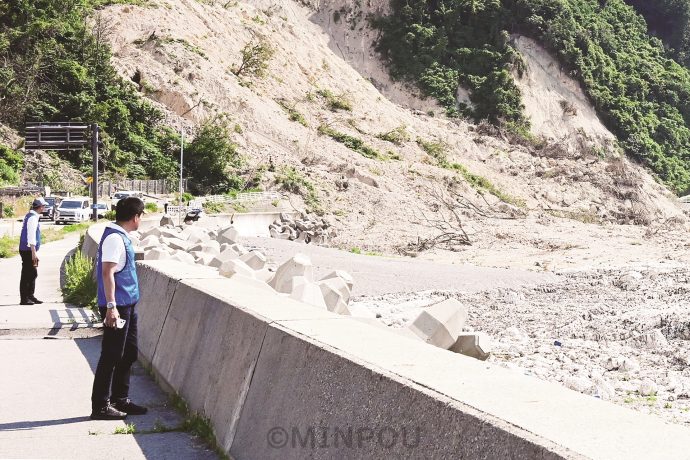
x,y
74,209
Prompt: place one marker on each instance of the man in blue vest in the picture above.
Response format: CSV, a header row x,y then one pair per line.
x,y
29,244
118,294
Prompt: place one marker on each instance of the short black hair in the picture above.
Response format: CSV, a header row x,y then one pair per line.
x,y
127,208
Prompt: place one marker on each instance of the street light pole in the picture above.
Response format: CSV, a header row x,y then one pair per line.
x,y
179,221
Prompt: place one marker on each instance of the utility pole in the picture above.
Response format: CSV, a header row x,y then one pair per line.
x,y
94,183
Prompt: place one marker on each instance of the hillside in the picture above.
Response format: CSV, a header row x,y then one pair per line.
x,y
187,68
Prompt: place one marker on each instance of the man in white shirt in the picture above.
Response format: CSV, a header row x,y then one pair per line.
x,y
29,244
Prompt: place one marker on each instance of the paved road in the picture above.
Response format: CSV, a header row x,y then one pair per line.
x,y
45,384
375,275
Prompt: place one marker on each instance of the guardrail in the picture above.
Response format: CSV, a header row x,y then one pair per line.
x,y
243,197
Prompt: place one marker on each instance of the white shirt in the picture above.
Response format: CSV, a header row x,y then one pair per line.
x,y
31,227
113,248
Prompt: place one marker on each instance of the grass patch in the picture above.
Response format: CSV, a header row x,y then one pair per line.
x,y
293,114
335,102
350,142
71,228
584,217
437,150
80,287
213,208
355,250
9,246
151,207
197,425
293,181
397,136
129,428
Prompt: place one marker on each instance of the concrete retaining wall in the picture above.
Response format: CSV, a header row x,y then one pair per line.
x,y
281,379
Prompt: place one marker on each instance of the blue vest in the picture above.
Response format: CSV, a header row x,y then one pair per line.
x,y
126,281
23,240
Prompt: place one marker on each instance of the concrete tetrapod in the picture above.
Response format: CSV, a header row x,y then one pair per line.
x,y
166,220
440,324
477,345
255,259
341,274
156,254
223,257
235,266
228,235
299,265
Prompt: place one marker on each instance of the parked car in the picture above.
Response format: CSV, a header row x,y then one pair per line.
x,y
102,209
121,195
74,209
50,210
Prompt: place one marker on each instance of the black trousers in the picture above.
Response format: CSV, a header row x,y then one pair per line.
x,y
118,352
27,283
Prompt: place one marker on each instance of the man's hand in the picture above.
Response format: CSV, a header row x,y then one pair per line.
x,y
34,256
111,317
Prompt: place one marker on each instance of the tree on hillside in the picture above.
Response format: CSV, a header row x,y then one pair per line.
x,y
211,159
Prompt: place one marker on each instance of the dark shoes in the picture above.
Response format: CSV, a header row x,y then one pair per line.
x,y
127,406
31,300
108,413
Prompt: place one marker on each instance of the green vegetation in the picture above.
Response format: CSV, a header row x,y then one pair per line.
x,y
211,159
293,114
56,67
151,207
197,425
350,142
397,136
129,428
213,208
80,287
639,92
11,164
437,150
255,59
8,246
335,102
109,215
293,181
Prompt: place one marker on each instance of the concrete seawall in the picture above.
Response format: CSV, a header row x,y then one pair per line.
x,y
281,379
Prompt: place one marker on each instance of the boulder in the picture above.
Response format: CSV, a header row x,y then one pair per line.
x,y
441,324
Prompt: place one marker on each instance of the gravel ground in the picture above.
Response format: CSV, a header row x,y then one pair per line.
x,y
619,335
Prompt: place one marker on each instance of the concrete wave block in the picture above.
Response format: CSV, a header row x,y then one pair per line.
x,y
166,220
228,235
155,231
170,233
335,289
264,275
156,254
183,256
238,248
476,345
255,259
298,265
341,274
309,293
176,243
150,242
441,324
235,266
223,257
202,258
